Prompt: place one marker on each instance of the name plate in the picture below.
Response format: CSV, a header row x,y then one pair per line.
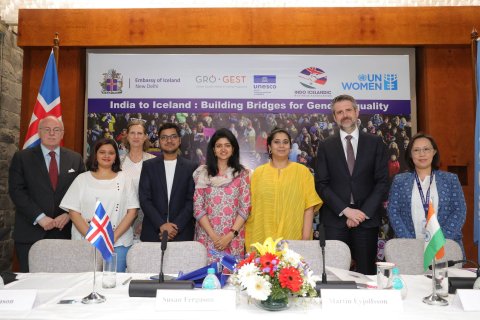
x,y
195,300
468,299
334,300
17,300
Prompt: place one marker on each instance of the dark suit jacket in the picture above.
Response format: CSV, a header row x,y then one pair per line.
x,y
153,196
32,193
368,184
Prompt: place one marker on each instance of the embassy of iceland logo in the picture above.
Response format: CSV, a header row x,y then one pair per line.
x,y
312,78
112,82
373,82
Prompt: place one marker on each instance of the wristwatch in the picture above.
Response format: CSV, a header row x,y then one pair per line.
x,y
235,232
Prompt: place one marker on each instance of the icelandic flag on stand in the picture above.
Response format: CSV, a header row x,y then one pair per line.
x,y
476,201
434,239
47,104
100,233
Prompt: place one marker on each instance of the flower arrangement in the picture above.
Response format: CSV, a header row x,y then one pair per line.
x,y
273,271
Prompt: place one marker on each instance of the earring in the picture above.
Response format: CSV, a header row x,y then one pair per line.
x,y
270,151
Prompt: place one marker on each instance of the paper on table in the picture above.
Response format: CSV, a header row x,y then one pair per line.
x,y
346,275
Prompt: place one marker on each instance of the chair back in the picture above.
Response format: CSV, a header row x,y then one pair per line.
x,y
185,256
407,254
337,254
62,255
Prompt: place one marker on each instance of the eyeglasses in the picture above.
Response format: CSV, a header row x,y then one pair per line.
x,y
426,150
170,137
56,130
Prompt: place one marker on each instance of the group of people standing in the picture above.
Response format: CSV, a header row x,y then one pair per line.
x,y
221,203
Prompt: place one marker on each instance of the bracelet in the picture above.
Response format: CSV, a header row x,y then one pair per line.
x,y
235,232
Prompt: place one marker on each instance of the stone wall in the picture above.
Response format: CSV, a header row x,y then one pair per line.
x,y
11,61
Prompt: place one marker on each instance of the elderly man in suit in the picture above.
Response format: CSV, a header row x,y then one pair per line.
x,y
352,179
38,179
166,191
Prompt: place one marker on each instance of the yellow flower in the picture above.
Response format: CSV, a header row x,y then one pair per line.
x,y
269,246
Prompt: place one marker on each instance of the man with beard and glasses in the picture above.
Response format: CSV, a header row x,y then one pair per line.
x,y
352,179
166,190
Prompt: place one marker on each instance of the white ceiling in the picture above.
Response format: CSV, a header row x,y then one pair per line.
x,y
9,8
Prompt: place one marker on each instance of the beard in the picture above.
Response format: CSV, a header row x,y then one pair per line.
x,y
350,128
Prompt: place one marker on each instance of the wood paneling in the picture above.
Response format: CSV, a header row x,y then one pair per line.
x,y
440,34
249,26
446,111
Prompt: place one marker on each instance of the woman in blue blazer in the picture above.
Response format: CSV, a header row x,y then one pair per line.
x,y
412,190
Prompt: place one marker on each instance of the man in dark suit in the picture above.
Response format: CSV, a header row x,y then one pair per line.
x,y
352,180
38,179
166,191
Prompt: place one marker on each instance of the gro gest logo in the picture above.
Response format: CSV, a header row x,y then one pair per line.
x,y
313,78
112,82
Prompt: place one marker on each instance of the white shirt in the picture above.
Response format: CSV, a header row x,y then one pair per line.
x,y
116,195
418,212
354,141
134,169
170,166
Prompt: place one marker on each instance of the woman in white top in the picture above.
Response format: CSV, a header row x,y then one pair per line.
x,y
137,143
104,181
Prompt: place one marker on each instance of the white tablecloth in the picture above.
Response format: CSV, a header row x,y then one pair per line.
x,y
53,287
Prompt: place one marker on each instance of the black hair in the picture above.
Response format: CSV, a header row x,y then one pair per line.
x,y
92,163
272,135
169,125
233,161
408,152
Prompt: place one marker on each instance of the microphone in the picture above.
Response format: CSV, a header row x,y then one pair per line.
x,y
148,288
163,247
321,236
324,284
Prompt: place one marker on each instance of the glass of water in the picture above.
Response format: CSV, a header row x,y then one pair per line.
x,y
109,279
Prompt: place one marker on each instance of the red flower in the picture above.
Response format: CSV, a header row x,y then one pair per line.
x,y
268,263
290,278
245,261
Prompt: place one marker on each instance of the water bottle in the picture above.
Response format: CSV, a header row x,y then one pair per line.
x,y
398,283
211,281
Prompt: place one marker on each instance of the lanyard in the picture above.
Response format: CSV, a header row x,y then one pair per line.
x,y
425,199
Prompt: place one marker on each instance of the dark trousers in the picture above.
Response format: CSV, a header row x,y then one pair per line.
x,y
363,244
22,250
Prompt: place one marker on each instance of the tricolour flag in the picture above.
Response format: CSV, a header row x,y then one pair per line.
x,y
434,239
47,104
100,233
476,202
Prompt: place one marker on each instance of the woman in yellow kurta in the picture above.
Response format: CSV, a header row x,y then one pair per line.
x,y
283,196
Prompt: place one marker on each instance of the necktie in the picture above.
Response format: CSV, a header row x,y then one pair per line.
x,y
350,154
53,170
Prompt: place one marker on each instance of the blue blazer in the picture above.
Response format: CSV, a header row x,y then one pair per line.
x,y
451,207
152,193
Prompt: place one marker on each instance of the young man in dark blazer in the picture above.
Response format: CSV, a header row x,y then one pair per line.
x,y
166,191
352,180
38,180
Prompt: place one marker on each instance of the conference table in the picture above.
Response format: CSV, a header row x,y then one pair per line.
x,y
53,287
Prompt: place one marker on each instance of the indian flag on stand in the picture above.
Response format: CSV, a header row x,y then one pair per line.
x,y
434,239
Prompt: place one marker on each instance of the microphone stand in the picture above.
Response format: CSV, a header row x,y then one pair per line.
x,y
148,288
324,284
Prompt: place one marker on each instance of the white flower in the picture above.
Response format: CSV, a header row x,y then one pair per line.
x,y
246,272
291,257
259,288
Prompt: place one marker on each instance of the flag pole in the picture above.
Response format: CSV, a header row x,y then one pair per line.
x,y
56,47
476,209
434,299
94,297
